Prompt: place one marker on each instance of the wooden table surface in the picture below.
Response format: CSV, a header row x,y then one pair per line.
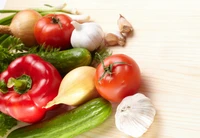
x,y
166,45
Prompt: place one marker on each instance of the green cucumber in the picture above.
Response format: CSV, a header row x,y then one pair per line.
x,y
66,60
70,124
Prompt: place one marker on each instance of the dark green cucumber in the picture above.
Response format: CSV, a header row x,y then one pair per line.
x,y
70,124
67,60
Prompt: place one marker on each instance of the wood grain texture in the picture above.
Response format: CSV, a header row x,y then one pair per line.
x,y
166,45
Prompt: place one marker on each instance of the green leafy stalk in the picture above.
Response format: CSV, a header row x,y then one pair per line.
x,y
5,58
10,49
8,11
48,9
103,52
3,37
6,123
3,86
7,20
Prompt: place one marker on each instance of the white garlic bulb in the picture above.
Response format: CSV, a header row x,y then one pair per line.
x,y
88,35
134,115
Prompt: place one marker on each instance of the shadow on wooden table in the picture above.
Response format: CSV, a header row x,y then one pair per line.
x,y
154,129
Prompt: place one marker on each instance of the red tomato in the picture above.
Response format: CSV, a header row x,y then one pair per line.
x,y
54,30
123,80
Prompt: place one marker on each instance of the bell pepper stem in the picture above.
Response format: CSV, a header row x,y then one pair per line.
x,y
21,84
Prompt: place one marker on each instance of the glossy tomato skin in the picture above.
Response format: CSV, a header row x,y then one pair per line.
x,y
54,30
124,81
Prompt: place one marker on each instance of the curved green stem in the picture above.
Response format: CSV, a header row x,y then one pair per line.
x,y
21,84
7,20
108,69
9,11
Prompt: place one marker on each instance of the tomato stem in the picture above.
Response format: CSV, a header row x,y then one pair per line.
x,y
56,21
108,69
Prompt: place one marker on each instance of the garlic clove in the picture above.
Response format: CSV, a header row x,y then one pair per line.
x,y
115,38
134,115
111,39
124,25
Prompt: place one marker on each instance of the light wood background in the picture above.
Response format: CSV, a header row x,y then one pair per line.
x,y
166,45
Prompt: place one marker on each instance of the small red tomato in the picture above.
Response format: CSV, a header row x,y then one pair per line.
x,y
54,30
117,77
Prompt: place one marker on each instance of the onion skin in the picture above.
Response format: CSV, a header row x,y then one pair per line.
x,y
22,26
76,88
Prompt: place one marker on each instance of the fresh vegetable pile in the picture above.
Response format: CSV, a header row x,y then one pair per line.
x,y
54,57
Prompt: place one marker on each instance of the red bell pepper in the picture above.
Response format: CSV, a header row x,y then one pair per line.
x,y
30,83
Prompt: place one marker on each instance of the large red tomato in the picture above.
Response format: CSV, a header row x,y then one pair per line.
x,y
54,30
117,77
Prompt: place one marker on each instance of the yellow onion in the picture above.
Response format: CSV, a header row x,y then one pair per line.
x,y
76,88
22,26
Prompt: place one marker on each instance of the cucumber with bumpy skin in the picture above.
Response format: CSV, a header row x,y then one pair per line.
x,y
67,60
70,124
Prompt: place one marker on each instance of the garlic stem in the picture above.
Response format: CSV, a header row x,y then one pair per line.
x,y
76,25
57,7
60,6
71,10
65,8
81,18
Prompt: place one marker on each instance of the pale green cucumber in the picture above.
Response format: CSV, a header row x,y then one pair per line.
x,y
70,124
